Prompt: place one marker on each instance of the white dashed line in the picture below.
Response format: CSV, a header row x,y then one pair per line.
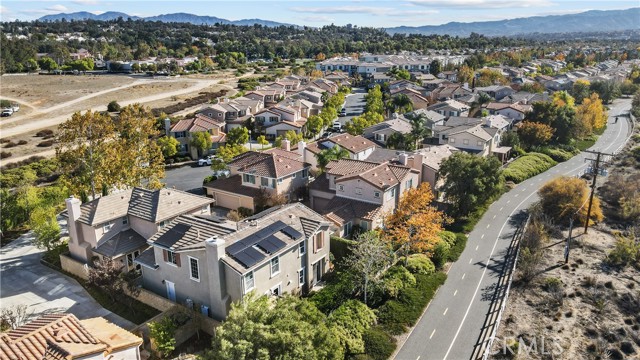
x,y
488,225
455,292
477,246
508,201
433,332
463,275
516,195
501,208
494,216
470,260
445,311
482,237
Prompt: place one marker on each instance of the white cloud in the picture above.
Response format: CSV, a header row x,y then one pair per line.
x,y
317,18
482,4
343,10
58,7
55,9
97,12
4,10
85,2
414,13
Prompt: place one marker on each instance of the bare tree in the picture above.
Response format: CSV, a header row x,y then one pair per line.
x,y
106,275
370,256
14,316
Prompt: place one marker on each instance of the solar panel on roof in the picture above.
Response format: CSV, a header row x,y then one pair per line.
x,y
271,244
173,235
293,233
235,248
244,259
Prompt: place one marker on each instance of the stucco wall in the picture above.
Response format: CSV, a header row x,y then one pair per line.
x,y
145,228
368,190
73,266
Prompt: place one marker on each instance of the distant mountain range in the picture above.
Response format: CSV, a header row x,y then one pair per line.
x,y
177,17
589,21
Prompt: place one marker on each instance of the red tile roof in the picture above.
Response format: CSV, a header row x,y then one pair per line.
x,y
353,144
342,210
273,164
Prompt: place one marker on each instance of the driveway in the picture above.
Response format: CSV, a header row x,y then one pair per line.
x,y
451,326
26,281
187,178
354,104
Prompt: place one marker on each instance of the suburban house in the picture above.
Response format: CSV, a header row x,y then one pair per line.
x,y
275,171
526,98
431,157
380,133
268,97
497,92
277,120
449,91
398,85
63,336
184,129
360,193
431,117
449,75
380,78
118,225
417,100
450,108
359,147
517,112
233,113
325,85
197,261
472,138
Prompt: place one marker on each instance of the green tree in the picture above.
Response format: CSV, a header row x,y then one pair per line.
x,y
534,134
238,136
369,257
46,230
169,146
419,129
607,90
374,103
286,328
400,141
163,334
336,152
31,65
349,322
201,140
470,181
228,152
314,125
262,140
581,90
435,67
47,63
400,103
113,106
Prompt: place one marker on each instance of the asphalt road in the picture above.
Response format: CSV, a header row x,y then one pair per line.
x,y
451,326
187,178
354,103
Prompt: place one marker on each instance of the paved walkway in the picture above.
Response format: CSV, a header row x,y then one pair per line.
x,y
24,280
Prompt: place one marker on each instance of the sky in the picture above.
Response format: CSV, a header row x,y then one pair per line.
x,y
379,13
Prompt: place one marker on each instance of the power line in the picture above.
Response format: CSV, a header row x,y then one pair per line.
x,y
596,171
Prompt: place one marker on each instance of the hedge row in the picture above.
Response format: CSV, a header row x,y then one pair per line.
x,y
395,316
559,154
458,247
528,166
340,248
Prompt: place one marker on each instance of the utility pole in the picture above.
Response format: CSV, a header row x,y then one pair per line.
x,y
596,170
568,245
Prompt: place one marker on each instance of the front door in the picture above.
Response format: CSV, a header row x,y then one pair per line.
x,y
171,290
317,272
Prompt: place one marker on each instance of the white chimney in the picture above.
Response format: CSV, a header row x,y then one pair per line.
x,y
167,126
286,145
218,297
404,159
301,147
76,248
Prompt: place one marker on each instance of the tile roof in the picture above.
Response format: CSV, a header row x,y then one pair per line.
x,y
147,259
187,232
432,156
272,164
63,336
105,208
159,205
342,210
353,144
344,167
200,123
462,120
121,243
382,176
233,184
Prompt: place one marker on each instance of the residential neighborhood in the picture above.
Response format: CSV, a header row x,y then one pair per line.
x,y
190,187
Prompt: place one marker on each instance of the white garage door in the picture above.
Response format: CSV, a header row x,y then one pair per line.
x,y
227,201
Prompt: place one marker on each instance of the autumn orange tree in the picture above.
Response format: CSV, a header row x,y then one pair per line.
x,y
591,113
566,197
415,224
533,133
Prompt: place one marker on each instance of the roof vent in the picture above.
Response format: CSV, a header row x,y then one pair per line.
x,y
253,223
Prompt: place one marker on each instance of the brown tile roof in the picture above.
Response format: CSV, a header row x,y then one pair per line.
x,y
187,232
159,205
344,167
353,144
200,123
63,336
382,176
273,164
233,184
105,208
342,210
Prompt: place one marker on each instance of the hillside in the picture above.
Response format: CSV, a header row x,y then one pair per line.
x,y
589,21
167,18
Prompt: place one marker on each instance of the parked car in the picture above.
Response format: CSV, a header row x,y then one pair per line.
x,y
6,112
15,107
206,160
343,112
337,126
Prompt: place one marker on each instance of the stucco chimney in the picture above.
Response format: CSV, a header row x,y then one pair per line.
x,y
404,159
75,234
286,145
301,147
167,126
218,297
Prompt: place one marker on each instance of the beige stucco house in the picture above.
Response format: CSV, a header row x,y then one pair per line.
x,y
184,129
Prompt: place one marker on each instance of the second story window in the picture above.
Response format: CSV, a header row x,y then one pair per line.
x,y
302,249
480,143
194,270
125,220
107,226
248,178
305,173
172,258
248,282
452,140
264,182
275,266
376,194
465,141
409,184
318,241
341,187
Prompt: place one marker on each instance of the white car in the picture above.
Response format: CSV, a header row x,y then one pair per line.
x,y
337,126
207,160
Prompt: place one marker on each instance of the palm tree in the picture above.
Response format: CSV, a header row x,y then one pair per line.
x,y
419,128
400,103
476,106
333,153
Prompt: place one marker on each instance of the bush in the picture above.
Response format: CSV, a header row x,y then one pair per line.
x,y
45,143
395,279
113,106
340,248
441,254
626,252
45,132
209,179
528,166
448,236
22,142
457,248
558,154
334,294
378,344
420,264
233,215
396,315
245,212
5,154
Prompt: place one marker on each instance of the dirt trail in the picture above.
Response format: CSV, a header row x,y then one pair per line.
x,y
44,122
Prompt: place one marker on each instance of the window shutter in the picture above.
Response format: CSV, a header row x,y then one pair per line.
x,y
164,255
177,259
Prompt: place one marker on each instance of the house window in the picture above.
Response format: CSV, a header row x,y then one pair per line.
x,y
273,119
194,271
275,266
305,173
302,249
358,191
172,257
280,180
409,184
107,226
380,137
264,181
301,277
364,225
341,187
163,224
479,143
248,282
465,141
392,193
205,209
248,178
293,176
319,241
376,194
452,140
125,220
347,228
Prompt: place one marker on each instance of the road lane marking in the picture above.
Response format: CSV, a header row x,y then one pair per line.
x,y
445,311
463,275
433,332
494,216
455,292
516,195
523,190
477,247
482,237
501,208
508,201
488,225
418,358
470,260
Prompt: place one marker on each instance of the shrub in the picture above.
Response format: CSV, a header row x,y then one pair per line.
x,y
558,154
4,141
45,132
349,322
209,178
163,335
395,279
22,142
10,144
457,248
626,252
5,154
420,264
378,344
332,295
45,143
528,166
245,212
340,248
448,236
234,215
113,106
440,254
396,315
